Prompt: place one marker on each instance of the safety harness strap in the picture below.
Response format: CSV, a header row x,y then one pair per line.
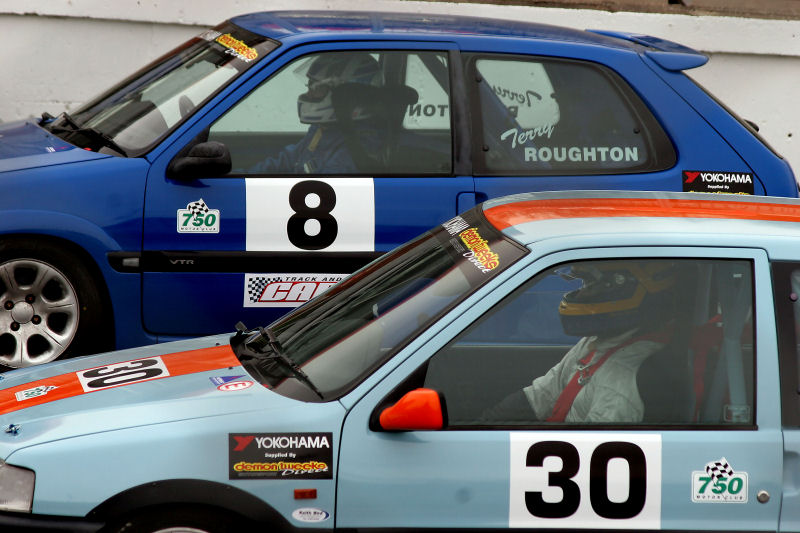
x,y
586,371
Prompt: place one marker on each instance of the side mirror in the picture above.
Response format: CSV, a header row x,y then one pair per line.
x,y
419,409
205,160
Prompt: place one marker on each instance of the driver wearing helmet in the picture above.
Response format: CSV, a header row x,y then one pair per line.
x,y
622,311
335,144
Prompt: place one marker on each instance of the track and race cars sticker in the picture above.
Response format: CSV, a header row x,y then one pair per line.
x,y
285,290
585,480
718,482
291,214
198,218
114,375
719,182
280,455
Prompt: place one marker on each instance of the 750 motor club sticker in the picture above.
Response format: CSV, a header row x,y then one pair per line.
x,y
280,455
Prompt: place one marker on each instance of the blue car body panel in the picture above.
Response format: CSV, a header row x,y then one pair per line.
x,y
192,284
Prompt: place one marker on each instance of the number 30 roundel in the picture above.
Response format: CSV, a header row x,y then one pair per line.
x,y
585,480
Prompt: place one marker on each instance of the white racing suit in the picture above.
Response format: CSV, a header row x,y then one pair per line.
x,y
610,394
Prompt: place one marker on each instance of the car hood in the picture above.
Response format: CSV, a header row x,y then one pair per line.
x,y
25,145
144,386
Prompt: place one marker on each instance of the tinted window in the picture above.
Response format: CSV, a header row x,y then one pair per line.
x,y
623,341
543,116
354,112
786,278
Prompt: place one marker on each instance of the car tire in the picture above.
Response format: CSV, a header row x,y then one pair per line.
x,y
50,306
178,520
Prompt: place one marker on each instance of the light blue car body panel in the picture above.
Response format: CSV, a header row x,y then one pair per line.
x,y
177,428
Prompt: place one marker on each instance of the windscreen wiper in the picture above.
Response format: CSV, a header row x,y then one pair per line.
x,y
265,344
74,127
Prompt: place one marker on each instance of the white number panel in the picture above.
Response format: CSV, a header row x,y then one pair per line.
x,y
585,480
310,213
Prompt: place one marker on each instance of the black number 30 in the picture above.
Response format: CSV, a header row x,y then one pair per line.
x,y
108,376
296,227
598,484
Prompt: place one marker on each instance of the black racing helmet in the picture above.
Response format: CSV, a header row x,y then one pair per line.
x,y
617,296
328,71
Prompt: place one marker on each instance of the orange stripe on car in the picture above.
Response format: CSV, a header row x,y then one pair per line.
x,y
512,214
69,385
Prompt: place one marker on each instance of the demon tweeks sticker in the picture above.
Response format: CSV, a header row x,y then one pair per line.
x,y
280,455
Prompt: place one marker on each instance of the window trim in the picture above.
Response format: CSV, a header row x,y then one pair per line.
x,y
788,354
300,53
511,281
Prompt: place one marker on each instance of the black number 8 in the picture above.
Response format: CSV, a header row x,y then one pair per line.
x,y
296,227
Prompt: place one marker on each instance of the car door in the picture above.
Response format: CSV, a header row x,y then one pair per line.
x,y
336,157
786,280
566,122
699,449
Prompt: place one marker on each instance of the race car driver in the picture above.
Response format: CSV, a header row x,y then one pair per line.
x,y
623,312
345,135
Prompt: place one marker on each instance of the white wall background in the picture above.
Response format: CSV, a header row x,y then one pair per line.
x,y
57,54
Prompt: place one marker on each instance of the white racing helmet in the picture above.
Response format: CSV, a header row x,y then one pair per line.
x,y
328,71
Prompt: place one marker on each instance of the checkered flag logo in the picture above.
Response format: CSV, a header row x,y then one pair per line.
x,y
255,286
719,469
197,208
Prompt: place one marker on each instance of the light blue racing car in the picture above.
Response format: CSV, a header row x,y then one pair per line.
x,y
587,360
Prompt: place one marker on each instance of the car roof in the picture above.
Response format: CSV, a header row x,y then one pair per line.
x,y
280,25
724,219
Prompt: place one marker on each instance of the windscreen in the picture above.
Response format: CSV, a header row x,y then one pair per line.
x,y
136,113
340,337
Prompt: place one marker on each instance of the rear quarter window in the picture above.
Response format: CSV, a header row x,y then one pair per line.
x,y
542,116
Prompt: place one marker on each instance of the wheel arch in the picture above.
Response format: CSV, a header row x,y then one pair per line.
x,y
76,250
189,492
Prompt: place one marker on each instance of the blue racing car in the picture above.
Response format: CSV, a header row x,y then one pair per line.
x,y
253,167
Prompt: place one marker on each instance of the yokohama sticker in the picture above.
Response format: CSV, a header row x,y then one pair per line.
x,y
586,481
719,182
286,290
280,455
